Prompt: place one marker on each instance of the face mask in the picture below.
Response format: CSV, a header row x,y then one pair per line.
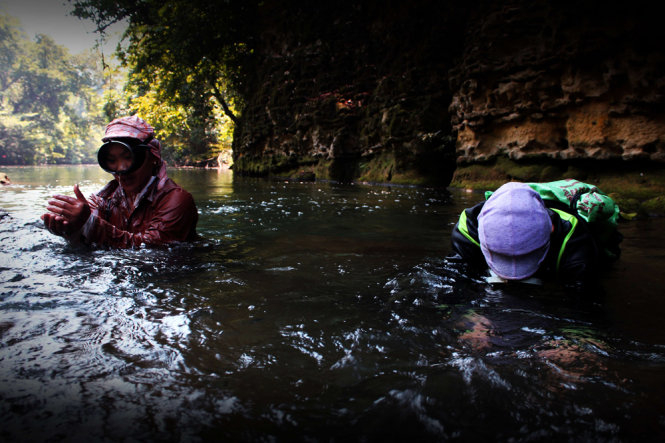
x,y
117,157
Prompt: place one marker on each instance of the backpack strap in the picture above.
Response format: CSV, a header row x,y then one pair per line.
x,y
570,218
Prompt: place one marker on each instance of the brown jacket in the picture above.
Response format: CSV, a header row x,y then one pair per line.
x,y
164,213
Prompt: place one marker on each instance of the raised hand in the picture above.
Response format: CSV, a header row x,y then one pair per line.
x,y
66,215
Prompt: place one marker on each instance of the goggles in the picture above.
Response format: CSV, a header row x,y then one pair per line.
x,y
125,160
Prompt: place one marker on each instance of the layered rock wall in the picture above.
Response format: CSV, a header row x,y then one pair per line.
x,y
357,92
388,90
538,79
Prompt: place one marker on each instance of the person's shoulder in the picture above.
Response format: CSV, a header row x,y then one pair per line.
x,y
172,192
108,190
571,234
559,206
471,214
474,210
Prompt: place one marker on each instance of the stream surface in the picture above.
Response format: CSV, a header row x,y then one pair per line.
x,y
314,312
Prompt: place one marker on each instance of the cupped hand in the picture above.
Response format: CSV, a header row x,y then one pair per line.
x,y
56,224
66,215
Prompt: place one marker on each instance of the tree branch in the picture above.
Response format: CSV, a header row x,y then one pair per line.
x,y
220,98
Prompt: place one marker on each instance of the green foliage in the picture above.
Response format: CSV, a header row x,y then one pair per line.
x,y
188,120
185,67
115,101
10,41
182,68
49,102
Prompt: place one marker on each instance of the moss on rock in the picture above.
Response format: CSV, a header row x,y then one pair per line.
x,y
638,188
654,206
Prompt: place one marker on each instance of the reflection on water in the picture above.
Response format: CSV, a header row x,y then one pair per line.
x,y
313,312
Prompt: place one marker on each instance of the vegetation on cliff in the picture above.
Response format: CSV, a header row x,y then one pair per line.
x,y
399,92
638,187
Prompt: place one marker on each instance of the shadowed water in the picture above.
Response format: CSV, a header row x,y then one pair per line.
x,y
319,312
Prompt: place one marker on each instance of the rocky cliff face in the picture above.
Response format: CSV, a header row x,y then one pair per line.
x,y
537,79
396,91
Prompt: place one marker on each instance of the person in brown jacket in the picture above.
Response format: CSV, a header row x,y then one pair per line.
x,y
140,206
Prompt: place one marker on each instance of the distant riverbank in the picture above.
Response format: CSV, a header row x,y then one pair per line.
x,y
638,188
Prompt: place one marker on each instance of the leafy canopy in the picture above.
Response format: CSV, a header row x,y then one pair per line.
x,y
49,100
185,62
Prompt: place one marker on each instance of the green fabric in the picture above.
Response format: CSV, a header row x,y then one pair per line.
x,y
464,229
593,206
598,209
573,221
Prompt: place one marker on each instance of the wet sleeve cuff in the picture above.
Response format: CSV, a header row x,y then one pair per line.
x,y
89,224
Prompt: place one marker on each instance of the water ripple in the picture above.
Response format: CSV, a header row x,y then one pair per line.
x,y
308,312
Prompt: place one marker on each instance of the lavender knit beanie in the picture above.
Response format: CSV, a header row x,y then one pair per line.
x,y
514,228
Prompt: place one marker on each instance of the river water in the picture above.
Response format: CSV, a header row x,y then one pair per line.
x,y
314,312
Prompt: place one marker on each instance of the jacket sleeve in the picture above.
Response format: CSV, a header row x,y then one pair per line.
x,y
464,237
173,219
578,269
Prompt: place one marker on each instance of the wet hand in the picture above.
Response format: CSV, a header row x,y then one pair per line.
x,y
54,223
66,214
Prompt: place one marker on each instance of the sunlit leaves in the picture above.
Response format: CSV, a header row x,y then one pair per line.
x,y
185,61
50,103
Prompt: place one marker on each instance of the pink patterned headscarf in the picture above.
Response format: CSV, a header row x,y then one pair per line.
x,y
155,149
134,127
